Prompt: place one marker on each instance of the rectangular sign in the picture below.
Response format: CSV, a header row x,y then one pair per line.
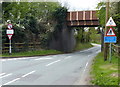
x,y
10,31
108,39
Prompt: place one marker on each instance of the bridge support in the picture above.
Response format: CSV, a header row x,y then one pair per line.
x,y
65,40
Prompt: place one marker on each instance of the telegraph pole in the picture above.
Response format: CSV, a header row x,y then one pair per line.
x,y
106,44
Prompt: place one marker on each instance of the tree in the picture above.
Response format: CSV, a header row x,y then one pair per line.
x,y
101,13
33,19
115,12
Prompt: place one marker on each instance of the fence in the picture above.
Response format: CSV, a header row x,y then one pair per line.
x,y
18,47
116,49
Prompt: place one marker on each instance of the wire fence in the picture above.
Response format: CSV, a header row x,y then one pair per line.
x,y
20,47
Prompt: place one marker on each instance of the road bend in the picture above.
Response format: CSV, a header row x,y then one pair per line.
x,y
62,69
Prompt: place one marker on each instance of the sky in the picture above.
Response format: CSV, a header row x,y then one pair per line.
x,y
80,5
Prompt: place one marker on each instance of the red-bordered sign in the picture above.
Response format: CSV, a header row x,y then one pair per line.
x,y
9,36
110,32
10,26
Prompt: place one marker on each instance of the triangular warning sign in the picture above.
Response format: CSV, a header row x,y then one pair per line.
x,y
110,32
9,36
110,22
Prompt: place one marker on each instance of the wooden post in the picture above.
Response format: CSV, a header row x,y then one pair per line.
x,y
106,47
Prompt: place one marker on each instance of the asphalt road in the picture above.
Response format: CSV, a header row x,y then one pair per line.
x,y
63,69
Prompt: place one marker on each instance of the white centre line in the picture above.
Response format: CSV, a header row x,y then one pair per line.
x,y
11,81
53,62
68,57
28,73
2,74
5,75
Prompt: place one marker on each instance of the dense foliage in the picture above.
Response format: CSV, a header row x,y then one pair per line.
x,y
33,22
114,11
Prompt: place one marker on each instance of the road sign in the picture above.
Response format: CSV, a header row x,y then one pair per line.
x,y
9,36
110,32
9,26
9,33
110,39
110,22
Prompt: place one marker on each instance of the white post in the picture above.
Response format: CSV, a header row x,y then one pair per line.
x,y
110,58
10,51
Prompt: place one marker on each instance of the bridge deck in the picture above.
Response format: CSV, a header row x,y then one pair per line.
x,y
82,18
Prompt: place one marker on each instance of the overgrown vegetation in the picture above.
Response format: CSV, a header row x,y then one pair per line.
x,y
114,12
105,73
87,35
35,22
82,46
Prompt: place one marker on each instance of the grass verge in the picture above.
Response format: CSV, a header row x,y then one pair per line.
x,y
82,46
32,53
105,73
46,52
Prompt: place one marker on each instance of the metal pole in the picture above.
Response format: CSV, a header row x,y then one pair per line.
x,y
110,58
10,51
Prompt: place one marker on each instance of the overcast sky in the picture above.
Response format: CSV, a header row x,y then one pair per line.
x,y
80,4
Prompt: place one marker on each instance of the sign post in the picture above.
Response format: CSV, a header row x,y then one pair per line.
x,y
110,36
10,33
110,53
10,50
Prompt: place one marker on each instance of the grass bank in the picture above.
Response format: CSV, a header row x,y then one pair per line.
x,y
32,53
105,73
82,46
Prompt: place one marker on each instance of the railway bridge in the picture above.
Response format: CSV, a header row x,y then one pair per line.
x,y
82,19
65,38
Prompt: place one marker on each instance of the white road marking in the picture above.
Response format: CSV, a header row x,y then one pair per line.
x,y
84,71
89,55
28,73
98,52
53,62
55,56
11,81
3,60
68,57
2,74
5,75
43,58
85,66
17,58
